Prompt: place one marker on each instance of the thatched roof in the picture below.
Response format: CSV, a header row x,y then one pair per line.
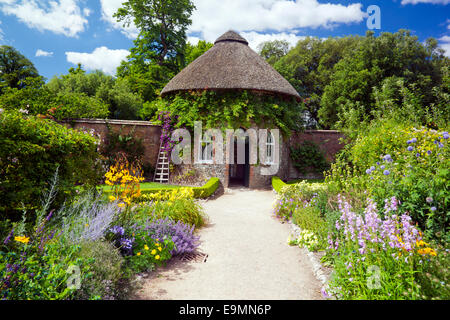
x,y
230,65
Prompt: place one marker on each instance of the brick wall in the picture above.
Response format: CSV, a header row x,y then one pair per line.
x,y
148,132
328,142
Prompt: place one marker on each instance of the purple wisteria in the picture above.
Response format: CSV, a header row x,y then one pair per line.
x,y
168,122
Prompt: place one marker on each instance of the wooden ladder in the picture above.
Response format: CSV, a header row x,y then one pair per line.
x,y
162,167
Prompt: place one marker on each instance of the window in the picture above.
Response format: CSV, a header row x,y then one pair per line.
x,y
270,148
206,150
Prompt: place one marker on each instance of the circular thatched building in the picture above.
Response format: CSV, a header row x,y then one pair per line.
x,y
232,66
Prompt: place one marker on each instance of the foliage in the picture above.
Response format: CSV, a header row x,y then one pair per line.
x,y
114,95
348,101
125,180
307,157
277,184
106,271
233,110
309,66
404,162
15,68
182,234
34,264
207,189
178,205
36,99
195,51
117,143
32,149
306,239
160,48
272,51
140,248
377,258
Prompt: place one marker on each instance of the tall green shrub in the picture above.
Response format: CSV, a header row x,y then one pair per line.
x,y
31,151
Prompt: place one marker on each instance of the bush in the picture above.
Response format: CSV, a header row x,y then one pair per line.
x,y
106,271
277,184
308,158
32,150
206,190
378,258
405,162
178,205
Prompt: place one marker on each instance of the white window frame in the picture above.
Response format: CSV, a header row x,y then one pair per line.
x,y
270,148
204,156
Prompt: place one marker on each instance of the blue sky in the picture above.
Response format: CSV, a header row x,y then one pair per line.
x,y
57,34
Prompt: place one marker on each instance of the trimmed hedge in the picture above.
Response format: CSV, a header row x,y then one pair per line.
x,y
207,189
277,184
202,192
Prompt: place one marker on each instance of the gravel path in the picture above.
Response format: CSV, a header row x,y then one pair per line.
x,y
248,257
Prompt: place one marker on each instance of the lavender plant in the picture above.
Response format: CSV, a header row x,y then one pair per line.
x,y
181,234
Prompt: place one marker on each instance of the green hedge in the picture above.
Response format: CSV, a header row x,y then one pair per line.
x,y
277,184
202,192
31,150
207,189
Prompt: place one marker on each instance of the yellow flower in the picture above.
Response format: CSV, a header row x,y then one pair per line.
x,y
87,225
22,239
121,205
159,248
157,257
146,247
138,254
112,198
153,252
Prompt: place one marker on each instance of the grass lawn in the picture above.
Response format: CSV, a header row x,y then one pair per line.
x,y
145,186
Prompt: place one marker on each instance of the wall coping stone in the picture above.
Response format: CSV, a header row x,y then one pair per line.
x,y
112,121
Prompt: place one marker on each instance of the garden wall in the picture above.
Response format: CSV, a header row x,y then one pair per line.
x,y
148,132
326,140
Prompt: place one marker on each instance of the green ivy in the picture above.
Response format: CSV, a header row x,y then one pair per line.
x,y
233,110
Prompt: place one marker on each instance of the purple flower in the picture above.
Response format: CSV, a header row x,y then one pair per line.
x,y
440,145
410,148
417,155
445,135
433,209
368,171
382,167
429,199
429,152
413,140
118,230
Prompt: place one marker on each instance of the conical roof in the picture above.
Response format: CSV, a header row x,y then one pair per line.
x,y
230,65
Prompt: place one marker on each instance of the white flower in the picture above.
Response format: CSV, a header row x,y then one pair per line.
x,y
1,110
23,111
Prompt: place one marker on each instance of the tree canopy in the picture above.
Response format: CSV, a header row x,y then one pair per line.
x,y
15,68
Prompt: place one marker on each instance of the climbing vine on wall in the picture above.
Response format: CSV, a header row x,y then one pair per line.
x,y
233,110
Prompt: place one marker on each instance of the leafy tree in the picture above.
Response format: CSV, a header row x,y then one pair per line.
x,y
15,68
349,99
310,65
116,94
274,50
159,51
195,51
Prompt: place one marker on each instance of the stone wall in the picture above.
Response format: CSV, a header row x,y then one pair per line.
x,y
148,132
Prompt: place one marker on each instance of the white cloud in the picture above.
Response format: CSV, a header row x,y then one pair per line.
x,y
101,58
445,44
110,7
211,18
255,38
61,17
42,53
214,17
425,1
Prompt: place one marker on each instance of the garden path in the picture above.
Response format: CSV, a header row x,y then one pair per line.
x,y
248,257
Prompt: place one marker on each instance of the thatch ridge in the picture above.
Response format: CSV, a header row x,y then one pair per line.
x,y
229,65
